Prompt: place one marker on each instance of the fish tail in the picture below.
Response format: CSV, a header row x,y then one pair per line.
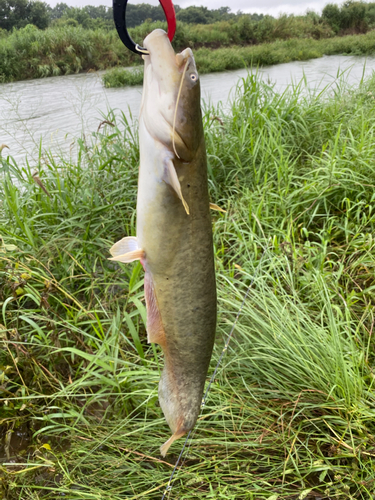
x,y
165,447
180,405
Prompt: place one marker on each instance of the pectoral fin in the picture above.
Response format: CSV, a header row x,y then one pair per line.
x,y
175,183
126,250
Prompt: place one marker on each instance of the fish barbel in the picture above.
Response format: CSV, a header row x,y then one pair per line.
x,y
174,233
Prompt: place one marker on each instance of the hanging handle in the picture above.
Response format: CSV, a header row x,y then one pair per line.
x,y
119,16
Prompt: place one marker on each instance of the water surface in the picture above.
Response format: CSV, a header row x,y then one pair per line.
x,y
59,109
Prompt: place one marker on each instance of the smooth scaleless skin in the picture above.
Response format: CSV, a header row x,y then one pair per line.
x,y
174,234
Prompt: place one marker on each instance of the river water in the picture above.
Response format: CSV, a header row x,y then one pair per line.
x,y
52,112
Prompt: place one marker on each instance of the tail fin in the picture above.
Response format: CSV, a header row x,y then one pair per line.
x,y
180,402
165,447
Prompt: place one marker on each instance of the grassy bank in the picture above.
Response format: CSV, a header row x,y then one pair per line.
x,y
282,51
237,57
291,413
33,53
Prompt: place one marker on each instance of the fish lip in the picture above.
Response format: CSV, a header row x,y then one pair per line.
x,y
154,34
178,61
158,49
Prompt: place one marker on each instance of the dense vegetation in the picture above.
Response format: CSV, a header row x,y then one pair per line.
x,y
30,53
352,16
236,57
83,39
19,13
16,14
291,413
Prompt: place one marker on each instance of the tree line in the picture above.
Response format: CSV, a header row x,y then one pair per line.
x,y
19,13
350,17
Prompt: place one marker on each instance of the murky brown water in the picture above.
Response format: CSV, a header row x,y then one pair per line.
x,y
14,441
56,110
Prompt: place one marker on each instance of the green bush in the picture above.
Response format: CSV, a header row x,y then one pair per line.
x,y
31,53
234,43
120,77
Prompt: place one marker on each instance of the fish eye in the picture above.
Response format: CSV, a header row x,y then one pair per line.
x,y
193,77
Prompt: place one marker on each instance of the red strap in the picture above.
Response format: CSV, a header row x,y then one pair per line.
x,y
171,17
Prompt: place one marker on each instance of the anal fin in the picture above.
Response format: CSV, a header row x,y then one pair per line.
x,y
155,328
175,183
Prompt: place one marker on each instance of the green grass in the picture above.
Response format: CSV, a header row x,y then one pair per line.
x,y
121,77
291,412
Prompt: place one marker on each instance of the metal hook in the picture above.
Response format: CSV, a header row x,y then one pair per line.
x,y
119,16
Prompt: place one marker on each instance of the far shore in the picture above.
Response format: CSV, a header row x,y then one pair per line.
x,y
31,53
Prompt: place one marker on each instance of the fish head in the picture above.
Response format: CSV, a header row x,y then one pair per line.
x,y
171,96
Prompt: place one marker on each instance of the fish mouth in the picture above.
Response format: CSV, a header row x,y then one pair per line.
x,y
163,58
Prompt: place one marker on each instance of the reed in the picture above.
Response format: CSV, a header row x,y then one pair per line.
x,y
291,412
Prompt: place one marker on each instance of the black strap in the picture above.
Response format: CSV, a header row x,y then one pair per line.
x,y
119,13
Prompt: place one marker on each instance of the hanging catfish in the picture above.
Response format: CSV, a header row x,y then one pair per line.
x,y
174,234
